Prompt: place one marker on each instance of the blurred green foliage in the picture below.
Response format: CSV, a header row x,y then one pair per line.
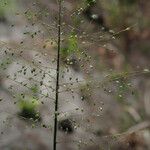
x,y
28,108
71,45
124,13
29,104
126,121
7,6
90,2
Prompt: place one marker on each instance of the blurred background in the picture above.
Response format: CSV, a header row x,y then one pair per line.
x,y
104,99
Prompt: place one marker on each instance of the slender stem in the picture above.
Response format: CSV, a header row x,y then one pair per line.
x,y
57,77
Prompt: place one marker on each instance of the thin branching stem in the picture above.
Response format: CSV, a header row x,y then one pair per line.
x,y
57,77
